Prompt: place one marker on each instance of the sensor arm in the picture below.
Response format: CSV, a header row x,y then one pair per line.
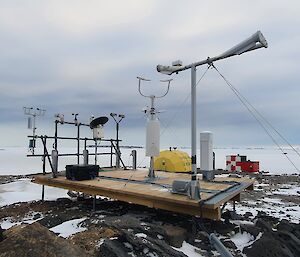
x,y
140,78
169,82
254,42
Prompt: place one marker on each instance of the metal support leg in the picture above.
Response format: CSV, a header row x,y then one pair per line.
x,y
94,203
223,207
233,204
43,193
151,173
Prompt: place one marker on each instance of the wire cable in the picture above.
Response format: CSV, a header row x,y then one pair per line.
x,y
182,103
170,121
248,106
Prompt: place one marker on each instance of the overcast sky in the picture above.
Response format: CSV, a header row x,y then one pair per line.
x,y
84,56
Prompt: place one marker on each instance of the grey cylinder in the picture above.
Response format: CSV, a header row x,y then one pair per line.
x,y
118,153
54,156
134,155
219,246
206,150
85,157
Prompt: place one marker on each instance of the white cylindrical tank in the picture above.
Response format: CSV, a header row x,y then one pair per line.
x,y
29,123
206,150
98,132
152,138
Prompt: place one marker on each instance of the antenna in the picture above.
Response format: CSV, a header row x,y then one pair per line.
x,y
33,113
153,126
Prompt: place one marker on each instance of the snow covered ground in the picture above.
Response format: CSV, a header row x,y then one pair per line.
x,y
69,228
189,250
24,190
28,219
14,161
271,202
274,203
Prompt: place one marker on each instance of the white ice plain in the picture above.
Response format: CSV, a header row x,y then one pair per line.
x,y
14,161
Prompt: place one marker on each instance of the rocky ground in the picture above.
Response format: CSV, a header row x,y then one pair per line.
x,y
266,223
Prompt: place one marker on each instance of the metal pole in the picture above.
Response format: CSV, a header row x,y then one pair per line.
x,y
85,157
118,148
43,193
55,135
78,141
54,155
44,157
193,121
219,246
94,203
151,170
151,173
44,169
96,145
194,190
33,133
133,153
111,153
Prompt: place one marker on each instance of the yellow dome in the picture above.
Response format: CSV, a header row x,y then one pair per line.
x,y
173,161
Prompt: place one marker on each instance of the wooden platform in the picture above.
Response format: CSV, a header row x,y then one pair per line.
x,y
114,184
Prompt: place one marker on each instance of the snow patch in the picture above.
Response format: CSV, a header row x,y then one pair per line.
x,y
188,250
242,240
69,228
141,235
29,218
23,190
288,191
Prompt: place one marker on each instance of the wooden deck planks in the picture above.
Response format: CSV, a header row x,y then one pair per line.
x,y
153,196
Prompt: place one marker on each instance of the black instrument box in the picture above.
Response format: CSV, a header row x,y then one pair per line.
x,y
81,172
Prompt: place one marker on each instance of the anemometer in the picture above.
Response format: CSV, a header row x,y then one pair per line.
x,y
153,126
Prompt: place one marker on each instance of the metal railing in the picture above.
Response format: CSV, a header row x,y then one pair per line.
x,y
46,155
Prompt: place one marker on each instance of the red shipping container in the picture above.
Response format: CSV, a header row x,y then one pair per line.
x,y
249,166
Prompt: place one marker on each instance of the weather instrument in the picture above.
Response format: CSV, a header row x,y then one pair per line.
x,y
98,133
31,123
254,42
153,126
117,118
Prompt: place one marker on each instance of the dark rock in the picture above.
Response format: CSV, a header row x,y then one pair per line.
x,y
64,201
290,241
267,246
1,234
247,215
231,215
90,239
236,229
284,225
130,245
264,225
36,240
36,216
251,229
50,221
175,235
228,243
203,236
112,248
220,227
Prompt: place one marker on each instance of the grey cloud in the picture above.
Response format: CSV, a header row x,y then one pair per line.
x,y
68,64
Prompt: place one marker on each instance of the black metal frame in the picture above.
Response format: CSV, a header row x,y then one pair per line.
x,y
44,138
